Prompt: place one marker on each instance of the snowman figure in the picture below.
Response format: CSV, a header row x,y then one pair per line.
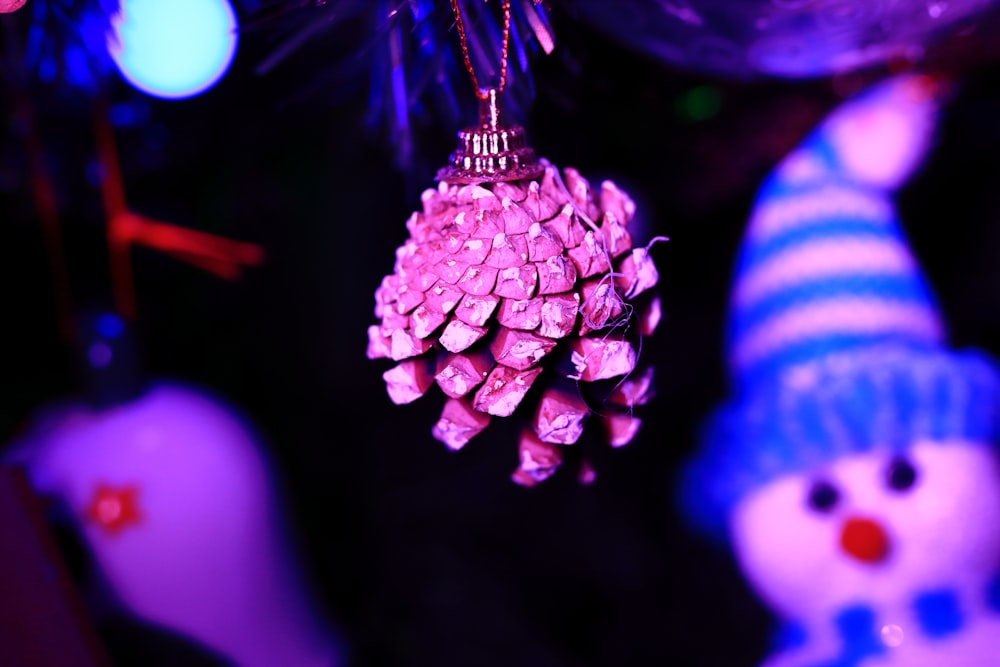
x,y
853,470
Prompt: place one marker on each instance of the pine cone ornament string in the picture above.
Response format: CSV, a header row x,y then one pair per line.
x,y
518,289
519,295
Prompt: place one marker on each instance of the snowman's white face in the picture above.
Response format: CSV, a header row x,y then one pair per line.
x,y
872,528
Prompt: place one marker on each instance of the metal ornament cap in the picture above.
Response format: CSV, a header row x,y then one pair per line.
x,y
491,152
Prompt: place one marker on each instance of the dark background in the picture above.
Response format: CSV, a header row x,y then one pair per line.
x,y
419,555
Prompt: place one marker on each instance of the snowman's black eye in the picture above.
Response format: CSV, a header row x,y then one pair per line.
x,y
901,474
823,496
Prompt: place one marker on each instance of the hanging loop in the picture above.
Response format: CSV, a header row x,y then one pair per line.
x,y
489,152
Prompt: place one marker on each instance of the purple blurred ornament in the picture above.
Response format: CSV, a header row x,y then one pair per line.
x,y
781,38
173,497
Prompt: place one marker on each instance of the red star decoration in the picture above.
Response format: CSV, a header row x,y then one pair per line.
x,y
114,508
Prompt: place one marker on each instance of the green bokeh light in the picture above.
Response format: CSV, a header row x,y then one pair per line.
x,y
699,103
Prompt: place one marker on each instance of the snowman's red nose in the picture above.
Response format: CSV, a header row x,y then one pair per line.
x,y
864,539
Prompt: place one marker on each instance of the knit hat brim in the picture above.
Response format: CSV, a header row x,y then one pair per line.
x,y
883,398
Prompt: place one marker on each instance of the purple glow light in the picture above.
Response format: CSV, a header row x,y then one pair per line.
x,y
99,355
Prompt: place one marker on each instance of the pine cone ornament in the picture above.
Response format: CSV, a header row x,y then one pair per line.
x,y
500,283
519,290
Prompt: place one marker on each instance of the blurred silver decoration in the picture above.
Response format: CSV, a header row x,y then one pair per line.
x,y
783,38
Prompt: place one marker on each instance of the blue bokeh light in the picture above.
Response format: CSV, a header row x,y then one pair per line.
x,y
110,326
174,48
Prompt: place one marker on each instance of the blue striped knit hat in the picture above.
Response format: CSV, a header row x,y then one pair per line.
x,y
834,343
